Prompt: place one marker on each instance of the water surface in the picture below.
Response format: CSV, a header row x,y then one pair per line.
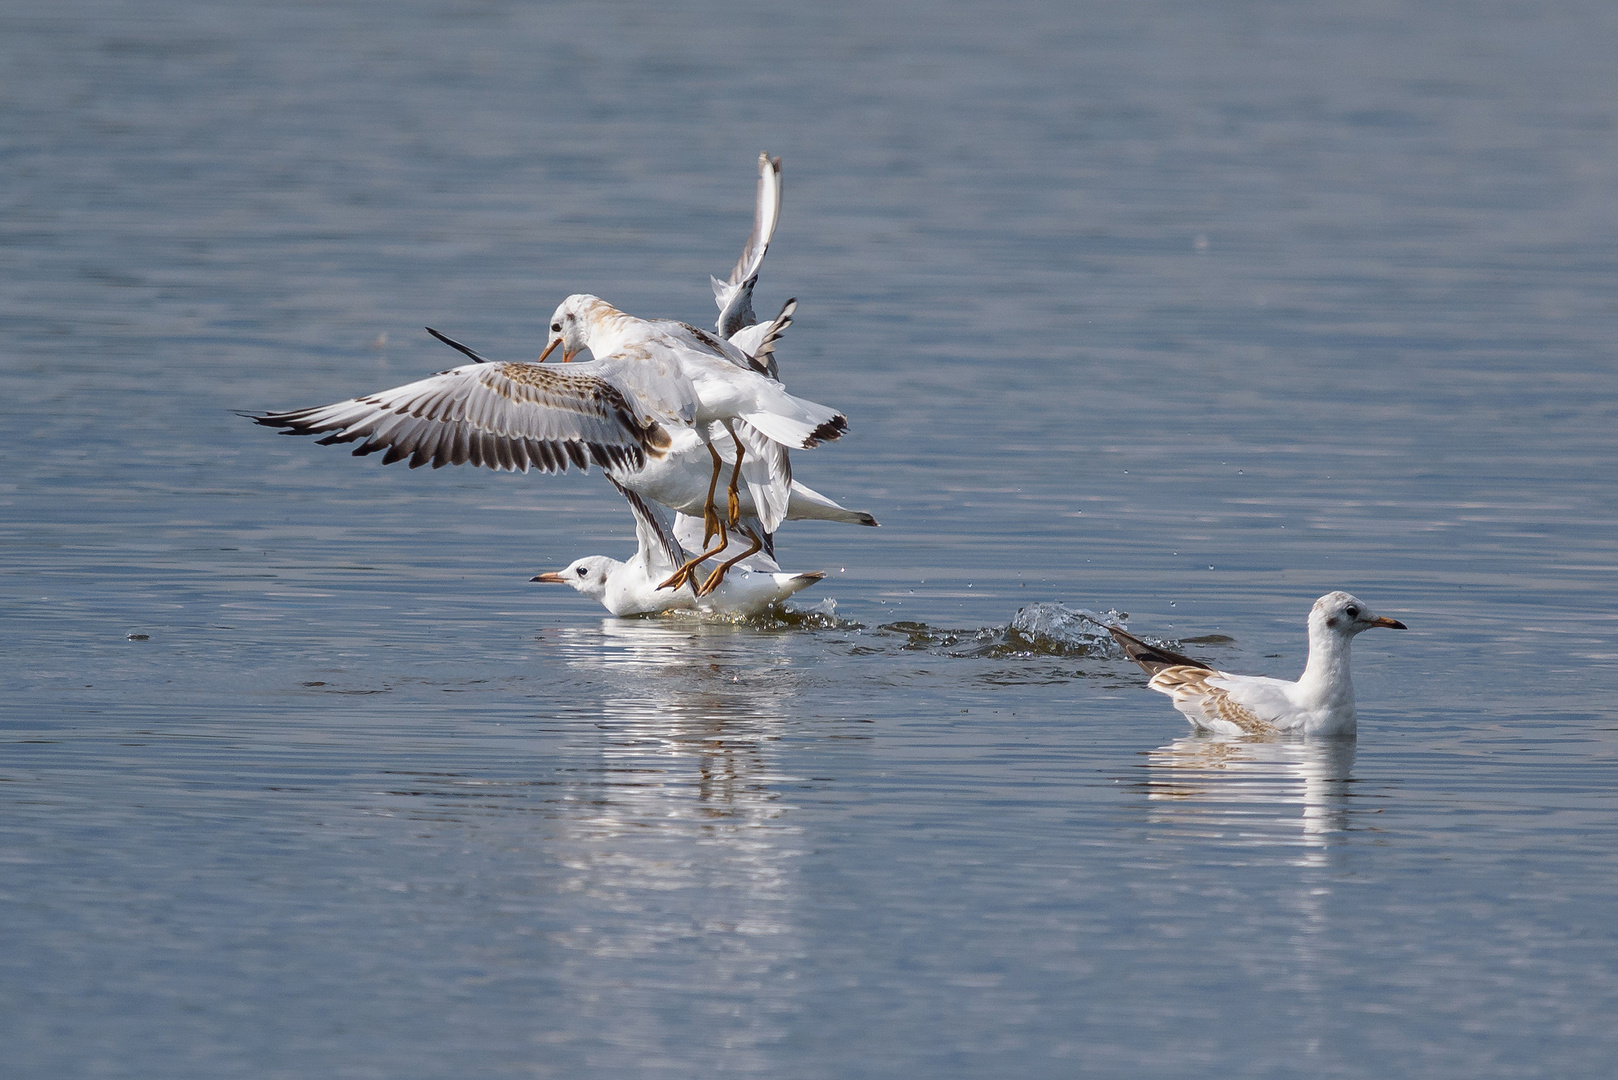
x,y
1185,313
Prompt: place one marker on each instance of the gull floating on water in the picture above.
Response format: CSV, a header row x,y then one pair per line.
x,y
1321,702
633,587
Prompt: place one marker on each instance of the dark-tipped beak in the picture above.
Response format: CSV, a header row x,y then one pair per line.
x,y
550,346
550,579
1391,624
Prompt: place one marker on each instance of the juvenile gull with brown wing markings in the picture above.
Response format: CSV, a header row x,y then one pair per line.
x,y
1320,702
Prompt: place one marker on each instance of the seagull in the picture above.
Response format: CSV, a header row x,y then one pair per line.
x,y
685,479
631,588
756,410
516,416
1321,702
627,413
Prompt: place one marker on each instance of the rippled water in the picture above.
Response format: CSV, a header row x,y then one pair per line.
x,y
1186,312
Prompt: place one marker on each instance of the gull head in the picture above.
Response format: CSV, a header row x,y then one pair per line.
x,y
588,575
1345,615
571,324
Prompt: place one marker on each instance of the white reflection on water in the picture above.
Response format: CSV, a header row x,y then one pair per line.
x,y
694,736
1254,792
686,832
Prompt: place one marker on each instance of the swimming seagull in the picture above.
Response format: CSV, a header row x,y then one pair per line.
x,y
632,587
1321,702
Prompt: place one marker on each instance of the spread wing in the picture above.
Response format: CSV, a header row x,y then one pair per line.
x,y
735,296
501,416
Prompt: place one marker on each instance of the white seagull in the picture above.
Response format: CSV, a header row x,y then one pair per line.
x,y
516,416
634,587
683,479
755,410
760,437
632,414
1321,702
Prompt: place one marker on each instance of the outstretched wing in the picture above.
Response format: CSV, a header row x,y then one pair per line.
x,y
735,296
501,416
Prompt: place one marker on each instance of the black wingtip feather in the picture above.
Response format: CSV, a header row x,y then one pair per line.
x,y
458,347
1152,658
829,431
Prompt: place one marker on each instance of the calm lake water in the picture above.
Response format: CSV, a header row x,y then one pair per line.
x,y
1189,311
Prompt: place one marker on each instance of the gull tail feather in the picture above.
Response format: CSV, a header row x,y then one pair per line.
x,y
795,583
807,504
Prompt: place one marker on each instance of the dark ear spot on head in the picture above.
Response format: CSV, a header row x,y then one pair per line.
x,y
1331,622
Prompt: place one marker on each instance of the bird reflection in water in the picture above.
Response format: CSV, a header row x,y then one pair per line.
x,y
1254,791
691,708
684,829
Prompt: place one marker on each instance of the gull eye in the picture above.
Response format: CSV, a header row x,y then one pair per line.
x,y
584,572
556,328
1351,611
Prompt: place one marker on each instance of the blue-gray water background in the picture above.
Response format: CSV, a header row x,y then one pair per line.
x,y
1194,311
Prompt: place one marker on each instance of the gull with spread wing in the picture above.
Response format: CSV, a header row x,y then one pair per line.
x,y
633,414
1320,702
757,412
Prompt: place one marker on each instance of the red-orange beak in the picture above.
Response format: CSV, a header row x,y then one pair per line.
x,y
550,347
549,578
1391,624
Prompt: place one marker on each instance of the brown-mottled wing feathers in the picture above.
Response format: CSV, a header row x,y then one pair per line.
x,y
496,415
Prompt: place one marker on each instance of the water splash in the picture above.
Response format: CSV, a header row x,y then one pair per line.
x,y
1044,628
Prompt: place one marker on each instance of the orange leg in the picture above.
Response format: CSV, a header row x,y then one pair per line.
x,y
723,568
710,516
688,571
735,507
